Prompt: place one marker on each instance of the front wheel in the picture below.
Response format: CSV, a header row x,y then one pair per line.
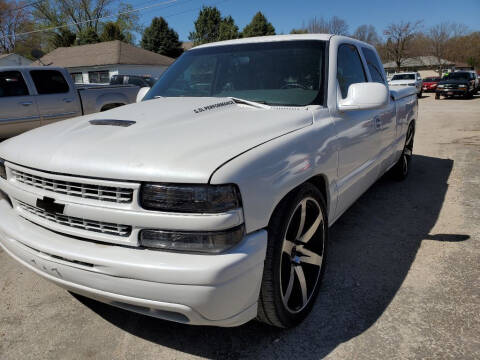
x,y
295,261
419,95
437,96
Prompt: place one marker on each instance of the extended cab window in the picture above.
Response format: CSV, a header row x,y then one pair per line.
x,y
12,84
275,73
49,82
374,66
349,68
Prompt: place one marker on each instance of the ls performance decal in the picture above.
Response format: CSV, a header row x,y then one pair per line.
x,y
213,106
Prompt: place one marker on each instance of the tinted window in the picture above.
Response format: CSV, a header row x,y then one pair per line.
x,y
374,66
12,84
276,73
137,81
49,82
404,77
349,68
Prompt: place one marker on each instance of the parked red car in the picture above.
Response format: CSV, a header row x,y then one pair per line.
x,y
430,83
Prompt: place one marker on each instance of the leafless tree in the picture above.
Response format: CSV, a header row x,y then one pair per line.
x,y
367,33
14,19
438,40
335,25
399,37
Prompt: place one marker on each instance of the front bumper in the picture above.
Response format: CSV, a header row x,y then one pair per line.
x,y
463,91
219,290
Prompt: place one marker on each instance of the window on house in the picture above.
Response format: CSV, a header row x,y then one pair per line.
x,y
77,78
49,82
12,84
98,77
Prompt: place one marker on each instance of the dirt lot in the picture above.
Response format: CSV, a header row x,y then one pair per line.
x,y
403,279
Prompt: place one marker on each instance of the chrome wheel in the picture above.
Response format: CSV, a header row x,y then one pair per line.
x,y
302,255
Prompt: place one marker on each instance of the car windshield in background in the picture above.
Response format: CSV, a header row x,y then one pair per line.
x,y
431,79
275,73
459,76
404,77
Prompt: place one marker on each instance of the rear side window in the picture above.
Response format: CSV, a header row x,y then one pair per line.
x,y
12,84
374,66
49,82
349,68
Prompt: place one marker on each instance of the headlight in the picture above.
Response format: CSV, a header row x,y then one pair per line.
x,y
192,241
190,198
440,86
3,171
462,86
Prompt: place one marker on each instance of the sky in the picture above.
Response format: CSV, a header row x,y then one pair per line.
x,y
286,15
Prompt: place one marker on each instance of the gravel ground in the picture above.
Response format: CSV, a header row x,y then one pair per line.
x,y
403,279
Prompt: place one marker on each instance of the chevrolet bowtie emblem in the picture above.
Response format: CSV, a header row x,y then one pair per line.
x,y
50,206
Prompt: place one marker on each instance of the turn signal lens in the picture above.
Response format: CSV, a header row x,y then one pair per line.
x,y
3,171
190,198
192,241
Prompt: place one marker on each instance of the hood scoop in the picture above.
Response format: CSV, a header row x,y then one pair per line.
x,y
112,122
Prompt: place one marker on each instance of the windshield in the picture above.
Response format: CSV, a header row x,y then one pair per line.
x,y
274,73
404,77
458,76
432,79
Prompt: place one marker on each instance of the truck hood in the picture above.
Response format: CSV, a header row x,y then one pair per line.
x,y
169,139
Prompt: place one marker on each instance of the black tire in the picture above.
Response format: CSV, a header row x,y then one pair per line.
x,y
437,96
401,169
275,307
419,95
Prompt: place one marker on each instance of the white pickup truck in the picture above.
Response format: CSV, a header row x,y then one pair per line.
x,y
34,96
209,202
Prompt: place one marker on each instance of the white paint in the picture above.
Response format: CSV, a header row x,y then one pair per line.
x,y
266,151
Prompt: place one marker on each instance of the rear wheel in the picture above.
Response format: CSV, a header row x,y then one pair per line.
x,y
419,95
402,167
295,261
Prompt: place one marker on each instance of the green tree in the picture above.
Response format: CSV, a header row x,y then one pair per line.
x,y
259,26
210,26
162,39
207,26
228,30
63,38
111,31
299,31
87,36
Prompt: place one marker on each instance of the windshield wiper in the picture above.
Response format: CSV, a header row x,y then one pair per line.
x,y
259,104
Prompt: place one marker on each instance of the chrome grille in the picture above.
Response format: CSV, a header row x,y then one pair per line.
x,y
79,223
86,191
451,86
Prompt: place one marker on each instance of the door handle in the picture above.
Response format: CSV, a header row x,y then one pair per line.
x,y
67,100
378,122
26,103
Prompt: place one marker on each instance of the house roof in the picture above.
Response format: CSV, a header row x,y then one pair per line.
x,y
187,45
419,61
104,53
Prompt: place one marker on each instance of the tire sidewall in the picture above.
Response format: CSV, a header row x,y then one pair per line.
x,y
307,190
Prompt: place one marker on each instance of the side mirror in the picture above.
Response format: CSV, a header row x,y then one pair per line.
x,y
364,96
141,93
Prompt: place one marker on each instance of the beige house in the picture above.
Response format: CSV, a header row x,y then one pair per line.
x,y
97,63
425,65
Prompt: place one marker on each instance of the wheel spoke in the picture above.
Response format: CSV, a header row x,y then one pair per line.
x,y
303,283
409,137
310,232
290,285
310,257
287,246
303,215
